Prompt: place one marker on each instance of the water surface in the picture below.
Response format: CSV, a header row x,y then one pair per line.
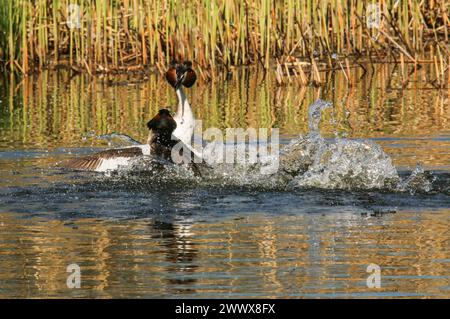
x,y
134,236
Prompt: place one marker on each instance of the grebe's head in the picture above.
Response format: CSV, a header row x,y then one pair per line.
x,y
181,74
162,122
161,127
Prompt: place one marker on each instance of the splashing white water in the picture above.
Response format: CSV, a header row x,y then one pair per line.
x,y
114,139
344,164
309,161
315,115
338,163
419,180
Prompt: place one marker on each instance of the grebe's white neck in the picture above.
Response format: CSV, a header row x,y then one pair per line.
x,y
184,118
183,104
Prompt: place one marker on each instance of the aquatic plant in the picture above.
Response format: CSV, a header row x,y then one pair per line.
x,y
297,37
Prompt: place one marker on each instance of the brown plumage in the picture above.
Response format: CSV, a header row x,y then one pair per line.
x,y
161,126
190,78
160,141
160,136
171,76
181,74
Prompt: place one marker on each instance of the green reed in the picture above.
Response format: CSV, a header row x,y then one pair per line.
x,y
128,35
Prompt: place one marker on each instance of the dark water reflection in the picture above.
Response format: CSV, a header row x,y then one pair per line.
x,y
182,239
241,255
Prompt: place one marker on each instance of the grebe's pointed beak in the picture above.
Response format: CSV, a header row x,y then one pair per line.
x,y
180,81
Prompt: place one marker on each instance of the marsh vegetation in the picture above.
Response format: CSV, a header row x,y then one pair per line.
x,y
295,39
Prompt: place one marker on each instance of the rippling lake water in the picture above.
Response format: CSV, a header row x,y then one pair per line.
x,y
137,236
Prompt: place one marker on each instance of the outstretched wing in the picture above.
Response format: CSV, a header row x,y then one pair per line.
x,y
93,162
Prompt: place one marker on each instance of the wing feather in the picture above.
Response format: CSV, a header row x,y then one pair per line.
x,y
93,162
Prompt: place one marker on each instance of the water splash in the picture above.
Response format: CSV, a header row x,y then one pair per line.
x,y
114,139
315,115
340,164
419,181
309,161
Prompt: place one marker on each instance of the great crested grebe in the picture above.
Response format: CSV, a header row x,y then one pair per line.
x,y
159,143
179,75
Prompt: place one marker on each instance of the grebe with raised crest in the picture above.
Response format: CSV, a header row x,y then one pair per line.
x,y
159,143
179,75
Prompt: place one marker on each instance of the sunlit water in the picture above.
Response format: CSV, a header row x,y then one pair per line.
x,y
307,231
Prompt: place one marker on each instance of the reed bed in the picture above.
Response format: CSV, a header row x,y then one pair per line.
x,y
295,38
